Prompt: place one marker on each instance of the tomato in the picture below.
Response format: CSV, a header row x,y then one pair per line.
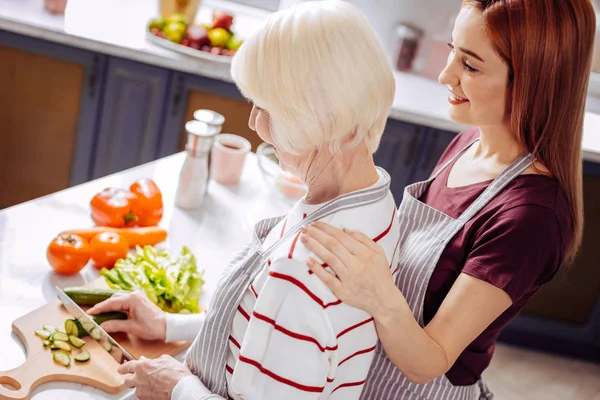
x,y
106,248
68,254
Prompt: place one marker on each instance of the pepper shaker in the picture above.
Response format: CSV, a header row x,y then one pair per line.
x,y
194,175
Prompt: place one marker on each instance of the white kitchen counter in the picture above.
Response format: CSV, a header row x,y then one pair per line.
x,y
214,234
117,28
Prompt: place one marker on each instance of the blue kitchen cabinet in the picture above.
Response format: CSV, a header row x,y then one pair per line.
x,y
49,102
564,316
188,93
130,117
435,142
400,148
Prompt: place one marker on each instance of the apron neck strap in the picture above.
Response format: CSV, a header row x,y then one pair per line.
x,y
344,202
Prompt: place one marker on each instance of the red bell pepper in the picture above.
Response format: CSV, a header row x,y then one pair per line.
x,y
114,207
149,205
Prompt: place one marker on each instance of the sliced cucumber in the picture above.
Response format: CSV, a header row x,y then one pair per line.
x,y
83,356
50,328
71,327
75,341
107,346
96,334
62,358
47,343
44,334
63,337
60,345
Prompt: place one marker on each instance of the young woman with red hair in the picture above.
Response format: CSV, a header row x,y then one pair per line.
x,y
499,216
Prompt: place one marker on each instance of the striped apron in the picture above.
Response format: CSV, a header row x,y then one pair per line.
x,y
207,356
424,234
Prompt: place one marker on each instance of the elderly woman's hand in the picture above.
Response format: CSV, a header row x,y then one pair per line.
x,y
153,379
145,320
364,277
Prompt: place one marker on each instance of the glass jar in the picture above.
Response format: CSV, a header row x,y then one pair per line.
x,y
407,45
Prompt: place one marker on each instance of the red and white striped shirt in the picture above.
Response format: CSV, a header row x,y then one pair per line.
x,y
291,338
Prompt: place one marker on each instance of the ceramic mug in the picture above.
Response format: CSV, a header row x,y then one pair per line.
x,y
227,158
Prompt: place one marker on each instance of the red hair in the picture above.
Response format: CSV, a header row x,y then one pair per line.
x,y
547,45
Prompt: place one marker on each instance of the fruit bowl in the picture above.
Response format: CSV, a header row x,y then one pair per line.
x,y
285,182
214,41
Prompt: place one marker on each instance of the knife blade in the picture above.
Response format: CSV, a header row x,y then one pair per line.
x,y
94,330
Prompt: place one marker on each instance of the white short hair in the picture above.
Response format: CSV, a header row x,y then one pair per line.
x,y
322,75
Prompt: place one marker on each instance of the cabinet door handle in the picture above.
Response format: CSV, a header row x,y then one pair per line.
x,y
177,95
93,78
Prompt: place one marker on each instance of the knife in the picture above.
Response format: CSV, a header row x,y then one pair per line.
x,y
94,330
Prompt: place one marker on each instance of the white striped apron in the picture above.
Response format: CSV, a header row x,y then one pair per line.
x,y
207,356
424,234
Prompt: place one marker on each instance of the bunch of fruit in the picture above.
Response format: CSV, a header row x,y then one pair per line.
x,y
217,38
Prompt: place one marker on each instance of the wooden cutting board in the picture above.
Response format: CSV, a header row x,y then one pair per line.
x,y
99,372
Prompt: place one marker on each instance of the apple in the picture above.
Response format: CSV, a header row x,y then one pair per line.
x,y
234,43
197,36
219,37
174,32
222,19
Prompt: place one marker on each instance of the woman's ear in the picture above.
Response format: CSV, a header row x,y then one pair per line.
x,y
252,118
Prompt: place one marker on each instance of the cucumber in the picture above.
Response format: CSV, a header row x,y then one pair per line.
x,y
95,333
62,358
75,341
47,343
107,346
85,296
44,334
50,328
73,327
60,345
83,356
107,316
62,337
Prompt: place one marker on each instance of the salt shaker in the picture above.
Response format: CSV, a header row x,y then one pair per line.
x,y
194,175
209,117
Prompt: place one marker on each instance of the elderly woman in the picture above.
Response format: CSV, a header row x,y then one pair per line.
x,y
322,89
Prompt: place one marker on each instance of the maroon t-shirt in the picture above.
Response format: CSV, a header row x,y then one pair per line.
x,y
516,242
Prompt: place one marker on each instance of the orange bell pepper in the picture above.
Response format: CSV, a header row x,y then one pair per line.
x,y
114,207
149,205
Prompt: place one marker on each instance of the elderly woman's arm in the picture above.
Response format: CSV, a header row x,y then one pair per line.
x,y
163,378
145,320
192,388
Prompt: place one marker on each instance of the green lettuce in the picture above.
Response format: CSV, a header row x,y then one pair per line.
x,y
172,282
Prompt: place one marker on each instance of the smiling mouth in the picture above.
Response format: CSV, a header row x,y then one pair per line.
x,y
457,98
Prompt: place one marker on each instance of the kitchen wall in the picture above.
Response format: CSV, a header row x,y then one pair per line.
x,y
432,16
